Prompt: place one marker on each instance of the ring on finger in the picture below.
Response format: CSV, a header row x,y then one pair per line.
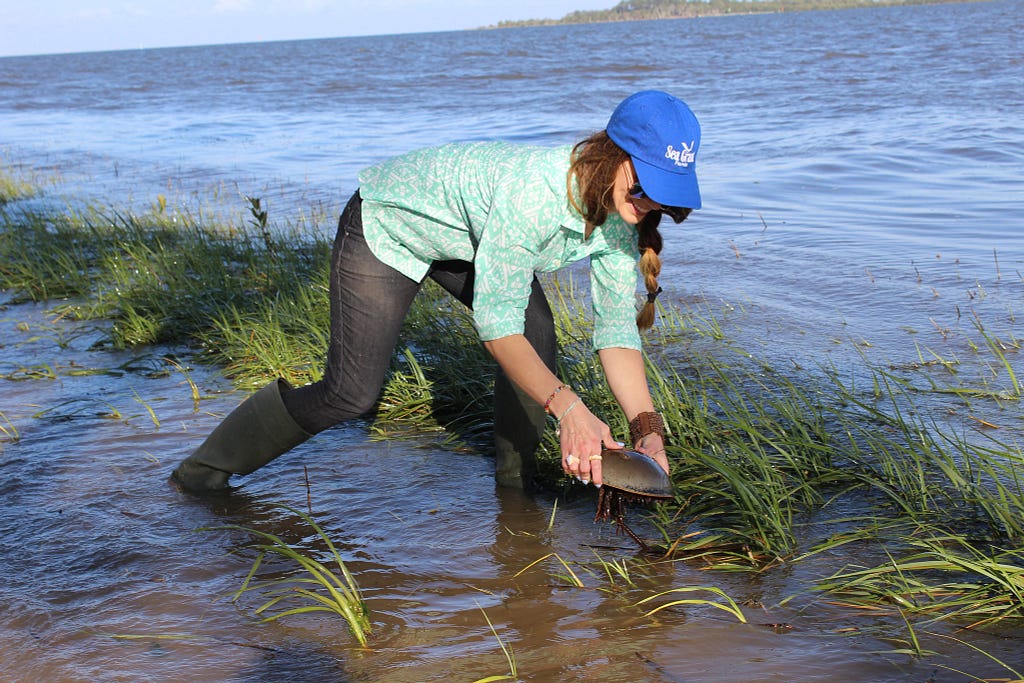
x,y
594,457
572,460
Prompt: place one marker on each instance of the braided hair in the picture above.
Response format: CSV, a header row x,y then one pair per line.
x,y
595,162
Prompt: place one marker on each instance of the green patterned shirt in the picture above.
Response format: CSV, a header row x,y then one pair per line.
x,y
502,207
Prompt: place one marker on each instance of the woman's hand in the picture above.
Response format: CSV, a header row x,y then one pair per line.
x,y
625,371
583,436
653,445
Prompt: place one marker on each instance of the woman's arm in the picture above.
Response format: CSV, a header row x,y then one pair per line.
x,y
580,432
624,369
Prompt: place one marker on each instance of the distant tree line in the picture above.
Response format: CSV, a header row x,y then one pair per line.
x,y
630,10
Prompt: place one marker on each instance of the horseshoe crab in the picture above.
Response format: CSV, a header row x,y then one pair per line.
x,y
629,477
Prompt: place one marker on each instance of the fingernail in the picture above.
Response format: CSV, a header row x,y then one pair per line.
x,y
585,481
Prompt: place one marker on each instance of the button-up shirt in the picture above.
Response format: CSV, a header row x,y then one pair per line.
x,y
505,208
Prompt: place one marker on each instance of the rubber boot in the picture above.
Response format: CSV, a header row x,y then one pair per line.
x,y
253,434
519,424
519,421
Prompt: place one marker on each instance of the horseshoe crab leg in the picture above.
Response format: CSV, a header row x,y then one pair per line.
x,y
621,521
611,504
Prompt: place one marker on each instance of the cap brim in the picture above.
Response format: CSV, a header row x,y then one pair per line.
x,y
666,188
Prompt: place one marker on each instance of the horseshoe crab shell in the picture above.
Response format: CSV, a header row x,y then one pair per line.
x,y
634,472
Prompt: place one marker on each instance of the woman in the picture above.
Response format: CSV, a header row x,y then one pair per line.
x,y
482,219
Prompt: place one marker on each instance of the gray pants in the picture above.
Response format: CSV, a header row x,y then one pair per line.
x,y
369,302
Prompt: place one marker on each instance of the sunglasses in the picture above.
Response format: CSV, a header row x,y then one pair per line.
x,y
677,213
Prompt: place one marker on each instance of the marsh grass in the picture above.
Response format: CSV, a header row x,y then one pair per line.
x,y
616,571
13,187
1018,677
938,578
314,585
158,278
721,602
510,657
7,430
193,388
569,577
755,449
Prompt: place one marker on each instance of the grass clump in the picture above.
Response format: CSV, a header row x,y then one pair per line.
x,y
169,279
14,188
315,586
938,578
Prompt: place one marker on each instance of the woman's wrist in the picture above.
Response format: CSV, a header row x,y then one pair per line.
x,y
561,401
567,410
553,396
561,413
646,423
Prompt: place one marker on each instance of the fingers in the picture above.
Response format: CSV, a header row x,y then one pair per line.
x,y
586,469
594,463
582,437
653,446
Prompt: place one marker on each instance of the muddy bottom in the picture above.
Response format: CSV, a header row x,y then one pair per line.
x,y
109,574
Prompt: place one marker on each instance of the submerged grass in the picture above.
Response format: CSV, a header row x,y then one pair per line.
x,y
724,602
315,586
7,430
940,577
510,657
755,450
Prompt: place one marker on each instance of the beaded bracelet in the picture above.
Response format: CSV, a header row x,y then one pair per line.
x,y
644,424
547,403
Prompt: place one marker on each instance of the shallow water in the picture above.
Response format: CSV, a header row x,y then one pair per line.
x,y
110,576
863,188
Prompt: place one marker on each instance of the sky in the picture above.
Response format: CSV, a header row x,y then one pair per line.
x,y
29,27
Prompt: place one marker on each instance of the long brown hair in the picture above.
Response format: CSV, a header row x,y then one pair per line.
x,y
595,161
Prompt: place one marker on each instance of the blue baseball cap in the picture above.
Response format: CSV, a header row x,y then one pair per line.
x,y
661,136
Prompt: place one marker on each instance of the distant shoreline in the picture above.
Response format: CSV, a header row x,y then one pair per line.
x,y
643,10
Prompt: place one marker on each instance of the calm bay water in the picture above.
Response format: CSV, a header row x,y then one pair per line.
x,y
863,182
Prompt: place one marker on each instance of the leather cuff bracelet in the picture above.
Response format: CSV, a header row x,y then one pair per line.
x,y
644,424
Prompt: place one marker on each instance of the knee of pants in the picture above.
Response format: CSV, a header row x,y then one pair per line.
x,y
325,406
349,405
